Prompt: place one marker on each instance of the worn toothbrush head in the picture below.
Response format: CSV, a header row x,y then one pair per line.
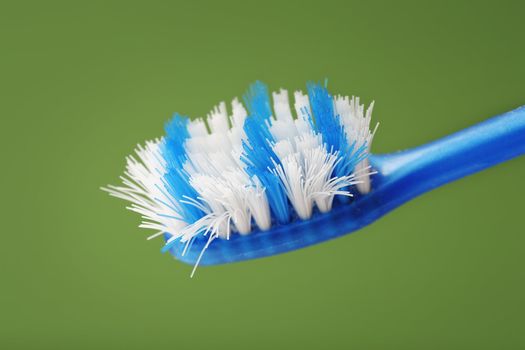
x,y
257,182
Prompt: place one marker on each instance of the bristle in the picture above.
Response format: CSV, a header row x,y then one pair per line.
x,y
245,172
142,187
281,106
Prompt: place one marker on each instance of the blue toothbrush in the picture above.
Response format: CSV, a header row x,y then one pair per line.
x,y
264,182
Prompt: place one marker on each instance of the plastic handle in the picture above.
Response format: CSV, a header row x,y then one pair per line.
x,y
406,174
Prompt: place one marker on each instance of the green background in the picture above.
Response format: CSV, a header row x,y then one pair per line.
x,y
82,83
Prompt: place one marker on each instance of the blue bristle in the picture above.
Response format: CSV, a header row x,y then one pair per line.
x,y
259,150
176,134
277,199
326,121
176,180
259,155
257,101
333,133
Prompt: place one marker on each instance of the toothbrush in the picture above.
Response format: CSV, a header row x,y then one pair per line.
x,y
263,182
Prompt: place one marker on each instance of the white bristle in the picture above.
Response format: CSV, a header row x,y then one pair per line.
x,y
258,204
239,114
143,187
197,128
303,110
281,106
357,128
218,119
302,105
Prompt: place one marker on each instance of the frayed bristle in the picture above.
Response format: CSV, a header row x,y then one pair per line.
x,y
244,172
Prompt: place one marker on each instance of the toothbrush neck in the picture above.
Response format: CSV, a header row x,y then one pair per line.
x,y
421,169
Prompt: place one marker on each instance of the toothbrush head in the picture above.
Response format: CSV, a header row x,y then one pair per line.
x,y
257,182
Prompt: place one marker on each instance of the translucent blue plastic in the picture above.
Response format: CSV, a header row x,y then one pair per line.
x,y
401,176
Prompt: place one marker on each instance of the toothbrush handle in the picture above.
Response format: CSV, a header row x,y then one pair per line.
x,y
412,172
